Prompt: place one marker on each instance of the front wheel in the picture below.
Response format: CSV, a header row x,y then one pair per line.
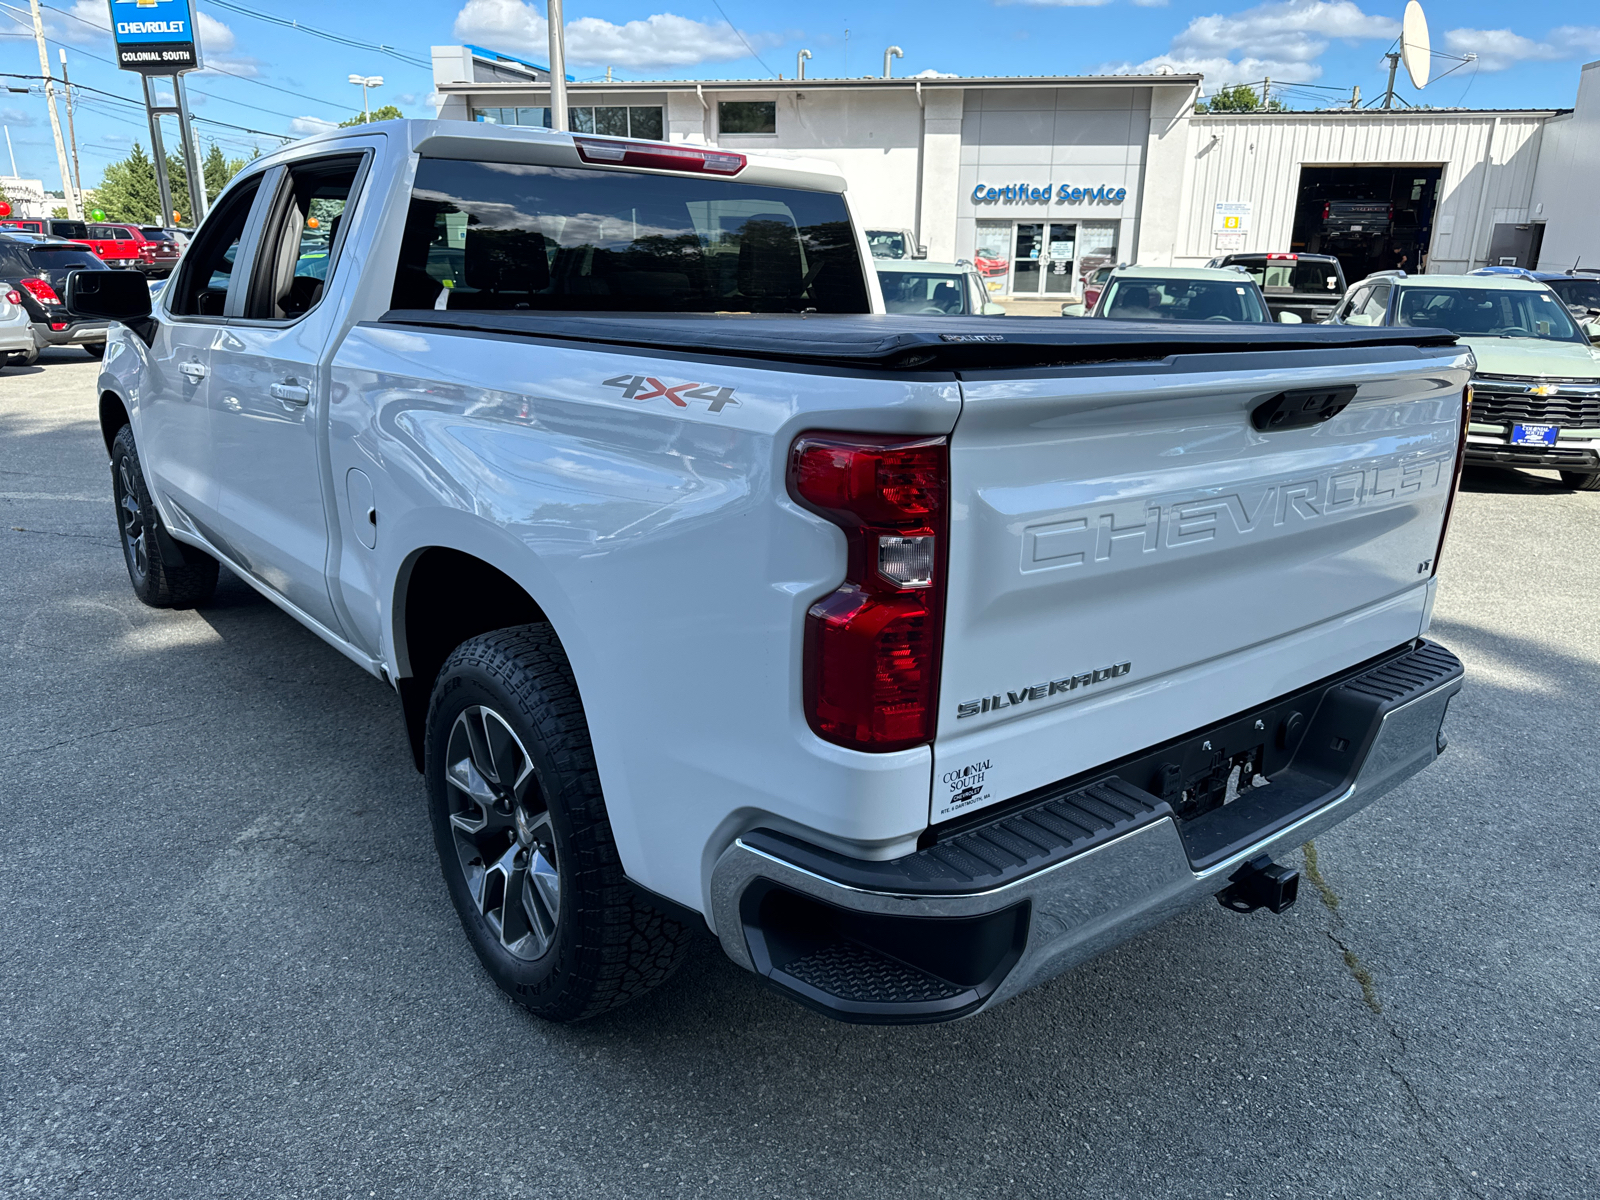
x,y
176,577
523,838
1582,481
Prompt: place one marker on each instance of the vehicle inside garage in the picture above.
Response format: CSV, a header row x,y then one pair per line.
x,y
1371,218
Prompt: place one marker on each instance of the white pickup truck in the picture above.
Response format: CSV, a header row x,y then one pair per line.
x,y
916,658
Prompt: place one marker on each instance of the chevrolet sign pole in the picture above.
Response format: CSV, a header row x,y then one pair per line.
x,y
155,38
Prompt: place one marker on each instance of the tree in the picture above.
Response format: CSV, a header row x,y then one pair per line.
x,y
127,190
218,170
1239,98
60,211
387,113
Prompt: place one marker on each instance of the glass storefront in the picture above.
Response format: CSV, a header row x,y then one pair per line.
x,y
1042,258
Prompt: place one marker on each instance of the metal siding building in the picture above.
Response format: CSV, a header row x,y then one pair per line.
x,y
963,163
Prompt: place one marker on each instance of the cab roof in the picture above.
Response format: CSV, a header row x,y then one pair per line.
x,y
1216,274
1482,283
918,264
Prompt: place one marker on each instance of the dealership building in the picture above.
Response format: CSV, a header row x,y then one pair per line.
x,y
1049,178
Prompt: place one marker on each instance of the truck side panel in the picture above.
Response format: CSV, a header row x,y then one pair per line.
x,y
640,499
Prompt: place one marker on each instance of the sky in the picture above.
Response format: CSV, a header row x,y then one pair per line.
x,y
266,80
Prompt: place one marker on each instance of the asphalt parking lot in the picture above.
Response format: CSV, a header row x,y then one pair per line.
x,y
229,965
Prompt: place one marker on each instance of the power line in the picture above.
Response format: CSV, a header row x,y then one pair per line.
x,y
208,67
285,23
735,29
139,104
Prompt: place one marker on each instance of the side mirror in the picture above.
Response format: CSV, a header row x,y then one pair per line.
x,y
1289,318
920,252
991,309
1358,319
1074,310
1593,330
111,295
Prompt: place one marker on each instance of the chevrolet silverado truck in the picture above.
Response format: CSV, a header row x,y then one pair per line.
x,y
916,658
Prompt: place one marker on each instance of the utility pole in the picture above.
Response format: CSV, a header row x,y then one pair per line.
x,y
72,133
1388,94
1266,92
1355,96
74,209
558,66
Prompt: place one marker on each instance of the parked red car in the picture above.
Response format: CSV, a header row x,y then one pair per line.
x,y
127,247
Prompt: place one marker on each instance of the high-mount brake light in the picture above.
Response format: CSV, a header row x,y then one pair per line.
x,y
873,646
1455,481
1289,257
40,290
658,156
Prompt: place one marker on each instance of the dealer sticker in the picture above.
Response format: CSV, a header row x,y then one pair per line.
x,y
970,785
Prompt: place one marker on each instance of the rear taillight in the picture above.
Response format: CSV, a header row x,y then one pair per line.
x,y
1455,480
14,296
1325,210
40,290
872,647
658,155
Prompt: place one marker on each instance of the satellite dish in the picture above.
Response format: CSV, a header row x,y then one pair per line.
x,y
1415,50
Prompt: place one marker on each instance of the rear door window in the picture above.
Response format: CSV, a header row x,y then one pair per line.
x,y
301,238
505,236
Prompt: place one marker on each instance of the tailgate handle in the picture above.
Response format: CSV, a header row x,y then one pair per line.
x,y
1301,409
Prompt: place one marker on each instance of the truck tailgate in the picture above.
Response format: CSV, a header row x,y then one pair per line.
x,y
1131,558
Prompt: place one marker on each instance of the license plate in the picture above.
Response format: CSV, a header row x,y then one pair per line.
x,y
1534,435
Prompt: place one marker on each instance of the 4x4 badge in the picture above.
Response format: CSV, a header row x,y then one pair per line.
x,y
648,387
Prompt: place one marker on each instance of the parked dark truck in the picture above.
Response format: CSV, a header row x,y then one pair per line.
x,y
1308,285
918,658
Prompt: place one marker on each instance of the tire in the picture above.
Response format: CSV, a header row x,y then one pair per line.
x,y
531,865
1582,481
179,577
95,349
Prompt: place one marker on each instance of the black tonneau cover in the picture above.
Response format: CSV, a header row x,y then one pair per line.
x,y
916,342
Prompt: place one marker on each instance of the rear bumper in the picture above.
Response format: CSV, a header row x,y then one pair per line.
x,y
973,920
75,334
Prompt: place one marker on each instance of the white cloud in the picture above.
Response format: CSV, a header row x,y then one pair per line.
x,y
930,73
663,40
1282,40
15,116
1151,3
1498,49
306,126
84,24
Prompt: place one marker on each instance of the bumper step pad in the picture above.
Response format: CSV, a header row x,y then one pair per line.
x,y
1062,820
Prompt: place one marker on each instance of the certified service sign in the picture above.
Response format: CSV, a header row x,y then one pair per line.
x,y
155,37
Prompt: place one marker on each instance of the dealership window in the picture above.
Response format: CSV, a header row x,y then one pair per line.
x,y
614,120
747,116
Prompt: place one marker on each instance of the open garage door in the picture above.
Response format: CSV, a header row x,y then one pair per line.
x,y
1370,218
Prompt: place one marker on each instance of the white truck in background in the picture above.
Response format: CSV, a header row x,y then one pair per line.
x,y
917,658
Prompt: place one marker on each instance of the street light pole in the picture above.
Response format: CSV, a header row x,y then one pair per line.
x,y
366,82
558,66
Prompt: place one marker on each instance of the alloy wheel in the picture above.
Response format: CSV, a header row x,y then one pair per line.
x,y
505,844
133,527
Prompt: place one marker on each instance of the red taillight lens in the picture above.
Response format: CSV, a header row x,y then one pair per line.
x,y
1455,481
873,646
1325,210
662,157
1288,257
40,290
14,296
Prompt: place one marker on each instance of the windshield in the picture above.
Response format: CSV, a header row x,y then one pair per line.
x,y
1180,300
156,235
511,236
884,244
1585,293
1291,275
933,293
1488,312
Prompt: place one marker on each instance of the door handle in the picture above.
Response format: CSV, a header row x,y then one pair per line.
x,y
291,393
193,370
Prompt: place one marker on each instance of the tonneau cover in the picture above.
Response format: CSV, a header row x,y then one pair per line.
x,y
917,342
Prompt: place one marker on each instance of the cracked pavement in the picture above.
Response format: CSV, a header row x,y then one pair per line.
x,y
230,966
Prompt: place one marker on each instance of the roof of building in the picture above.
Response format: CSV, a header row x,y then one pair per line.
x,y
865,81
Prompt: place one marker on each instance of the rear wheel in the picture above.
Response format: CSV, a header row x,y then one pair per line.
x,y
180,577
523,838
1582,481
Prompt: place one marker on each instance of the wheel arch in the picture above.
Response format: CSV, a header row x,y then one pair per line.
x,y
113,416
442,597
